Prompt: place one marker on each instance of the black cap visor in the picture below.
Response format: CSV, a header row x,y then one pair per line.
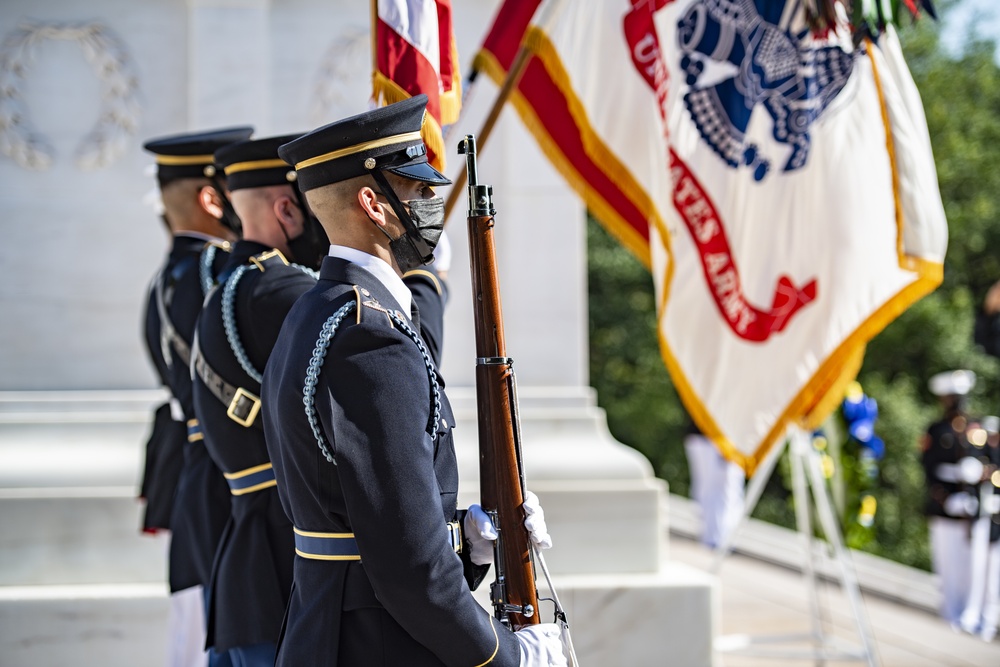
x,y
421,171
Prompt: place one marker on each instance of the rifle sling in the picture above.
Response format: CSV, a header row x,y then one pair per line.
x,y
168,332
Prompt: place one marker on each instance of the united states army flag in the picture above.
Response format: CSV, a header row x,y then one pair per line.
x,y
779,184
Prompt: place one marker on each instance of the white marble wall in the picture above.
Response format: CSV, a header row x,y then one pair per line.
x,y
79,246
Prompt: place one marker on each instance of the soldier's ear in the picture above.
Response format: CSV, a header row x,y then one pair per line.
x,y
372,207
284,208
211,201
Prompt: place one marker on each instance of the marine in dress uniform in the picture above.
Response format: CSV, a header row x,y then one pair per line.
x,y
986,556
267,271
194,204
987,330
951,498
358,425
982,608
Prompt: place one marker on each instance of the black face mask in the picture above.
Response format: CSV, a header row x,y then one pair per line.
x,y
311,246
423,222
230,219
427,217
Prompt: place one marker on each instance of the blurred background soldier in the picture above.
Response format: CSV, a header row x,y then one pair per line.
x,y
194,206
987,331
982,609
951,475
716,485
268,269
987,335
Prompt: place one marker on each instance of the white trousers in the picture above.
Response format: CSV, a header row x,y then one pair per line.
x,y
186,629
716,485
950,557
982,609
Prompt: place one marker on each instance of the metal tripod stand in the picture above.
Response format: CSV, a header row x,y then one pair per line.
x,y
807,474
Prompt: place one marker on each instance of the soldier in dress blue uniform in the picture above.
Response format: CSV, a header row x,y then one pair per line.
x,y
268,269
951,475
982,608
987,335
195,210
358,426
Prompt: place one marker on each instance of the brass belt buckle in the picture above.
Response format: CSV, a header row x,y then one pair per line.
x,y
241,398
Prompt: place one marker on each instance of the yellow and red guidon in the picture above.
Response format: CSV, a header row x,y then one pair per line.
x,y
561,130
414,52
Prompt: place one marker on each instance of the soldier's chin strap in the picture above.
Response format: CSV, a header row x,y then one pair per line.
x,y
229,216
412,233
301,198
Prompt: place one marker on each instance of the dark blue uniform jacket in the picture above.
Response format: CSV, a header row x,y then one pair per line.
x,y
407,601
201,500
253,565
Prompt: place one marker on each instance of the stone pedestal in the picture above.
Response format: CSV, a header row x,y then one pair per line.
x,y
600,498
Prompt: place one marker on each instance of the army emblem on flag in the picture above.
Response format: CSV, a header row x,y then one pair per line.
x,y
777,180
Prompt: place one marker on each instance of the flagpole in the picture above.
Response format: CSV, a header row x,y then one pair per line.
x,y
374,6
510,83
543,17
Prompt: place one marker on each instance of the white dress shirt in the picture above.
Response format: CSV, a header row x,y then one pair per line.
x,y
382,272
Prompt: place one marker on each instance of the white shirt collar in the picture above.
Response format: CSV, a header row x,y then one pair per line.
x,y
381,270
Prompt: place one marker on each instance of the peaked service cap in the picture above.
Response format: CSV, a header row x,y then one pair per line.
x,y
255,163
192,154
387,138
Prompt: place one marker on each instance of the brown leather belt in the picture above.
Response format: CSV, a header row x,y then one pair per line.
x,y
241,405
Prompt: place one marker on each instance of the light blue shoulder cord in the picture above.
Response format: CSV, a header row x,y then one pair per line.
x,y
229,317
205,268
319,356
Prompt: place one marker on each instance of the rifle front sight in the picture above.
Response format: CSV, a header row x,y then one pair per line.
x,y
480,196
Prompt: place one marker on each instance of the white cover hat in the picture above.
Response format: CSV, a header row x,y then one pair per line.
x,y
952,383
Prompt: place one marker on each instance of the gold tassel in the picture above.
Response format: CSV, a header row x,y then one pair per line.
x,y
386,91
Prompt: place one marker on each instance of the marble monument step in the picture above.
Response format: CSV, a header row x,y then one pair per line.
x,y
112,625
81,535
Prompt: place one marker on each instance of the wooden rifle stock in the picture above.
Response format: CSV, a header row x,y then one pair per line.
x,y
501,479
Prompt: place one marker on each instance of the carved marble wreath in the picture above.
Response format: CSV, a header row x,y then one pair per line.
x,y
119,112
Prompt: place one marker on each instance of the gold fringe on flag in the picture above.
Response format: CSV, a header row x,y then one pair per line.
x,y
385,91
451,101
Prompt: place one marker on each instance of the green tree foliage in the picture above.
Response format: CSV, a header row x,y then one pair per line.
x,y
961,95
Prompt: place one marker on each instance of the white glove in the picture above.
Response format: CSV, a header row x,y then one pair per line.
x,y
961,504
481,532
535,522
969,469
541,646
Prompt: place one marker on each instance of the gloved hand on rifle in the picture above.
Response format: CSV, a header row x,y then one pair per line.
x,y
541,646
481,532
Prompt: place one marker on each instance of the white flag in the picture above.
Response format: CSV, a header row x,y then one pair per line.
x,y
781,183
